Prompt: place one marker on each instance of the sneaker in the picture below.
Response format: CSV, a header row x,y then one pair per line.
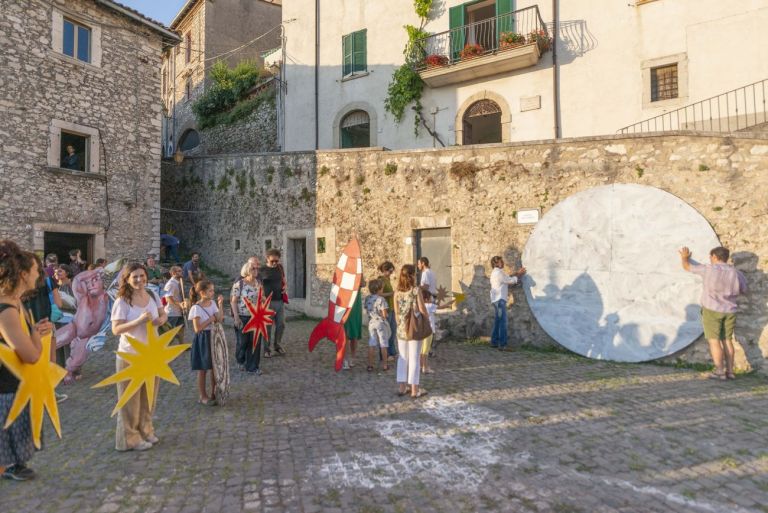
x,y
153,439
141,446
279,350
346,365
60,398
18,472
257,372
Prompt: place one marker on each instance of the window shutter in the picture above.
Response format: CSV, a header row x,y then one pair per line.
x,y
359,51
346,50
505,21
456,21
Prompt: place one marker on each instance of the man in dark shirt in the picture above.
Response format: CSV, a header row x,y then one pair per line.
x,y
191,269
71,160
272,280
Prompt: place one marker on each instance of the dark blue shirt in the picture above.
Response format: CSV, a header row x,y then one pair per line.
x,y
71,162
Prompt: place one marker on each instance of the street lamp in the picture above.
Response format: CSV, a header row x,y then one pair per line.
x,y
178,157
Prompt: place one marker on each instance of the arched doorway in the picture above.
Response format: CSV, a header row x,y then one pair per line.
x,y
189,140
356,130
481,123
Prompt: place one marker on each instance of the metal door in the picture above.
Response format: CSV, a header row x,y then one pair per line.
x,y
435,244
297,268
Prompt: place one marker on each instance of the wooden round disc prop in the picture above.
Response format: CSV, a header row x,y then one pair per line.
x,y
604,275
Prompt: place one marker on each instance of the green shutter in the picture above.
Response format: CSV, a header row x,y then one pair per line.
x,y
346,50
456,21
346,138
505,21
359,61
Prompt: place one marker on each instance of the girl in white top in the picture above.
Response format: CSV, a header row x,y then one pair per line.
x,y
134,307
203,314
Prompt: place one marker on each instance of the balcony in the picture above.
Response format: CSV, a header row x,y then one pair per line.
x,y
492,46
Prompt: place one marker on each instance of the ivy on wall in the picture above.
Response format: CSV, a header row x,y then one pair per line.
x,y
407,86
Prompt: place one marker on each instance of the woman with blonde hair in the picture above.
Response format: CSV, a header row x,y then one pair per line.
x,y
408,299
133,308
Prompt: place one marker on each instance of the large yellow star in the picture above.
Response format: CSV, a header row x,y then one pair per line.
x,y
151,360
37,382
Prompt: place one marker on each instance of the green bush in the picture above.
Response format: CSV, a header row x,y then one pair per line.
x,y
226,94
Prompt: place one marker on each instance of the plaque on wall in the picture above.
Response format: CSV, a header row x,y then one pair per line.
x,y
528,216
530,103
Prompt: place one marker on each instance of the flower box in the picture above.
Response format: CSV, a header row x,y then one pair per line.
x,y
509,40
471,50
435,61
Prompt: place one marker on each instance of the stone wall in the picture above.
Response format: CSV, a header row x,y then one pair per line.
x,y
255,133
116,98
383,197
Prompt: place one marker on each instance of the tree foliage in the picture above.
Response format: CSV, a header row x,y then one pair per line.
x,y
229,86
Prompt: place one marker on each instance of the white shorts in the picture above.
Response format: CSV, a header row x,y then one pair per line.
x,y
379,334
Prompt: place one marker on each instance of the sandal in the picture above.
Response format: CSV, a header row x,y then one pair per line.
x,y
421,393
385,368
716,375
730,375
280,351
370,368
267,353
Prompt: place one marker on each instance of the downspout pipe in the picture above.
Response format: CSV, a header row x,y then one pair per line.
x,y
555,67
317,74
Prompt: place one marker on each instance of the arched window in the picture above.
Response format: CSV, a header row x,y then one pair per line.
x,y
356,130
482,123
189,140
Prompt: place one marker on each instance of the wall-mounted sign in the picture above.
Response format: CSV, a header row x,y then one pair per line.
x,y
530,103
528,216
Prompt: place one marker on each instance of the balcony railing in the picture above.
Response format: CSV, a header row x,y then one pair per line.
x,y
733,111
490,36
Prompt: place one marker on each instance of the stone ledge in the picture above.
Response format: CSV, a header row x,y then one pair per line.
x,y
79,174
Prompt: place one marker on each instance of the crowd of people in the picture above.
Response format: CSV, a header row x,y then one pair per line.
x,y
36,297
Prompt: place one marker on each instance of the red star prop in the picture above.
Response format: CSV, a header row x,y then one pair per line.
x,y
261,317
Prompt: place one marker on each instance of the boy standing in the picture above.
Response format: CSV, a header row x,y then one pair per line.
x,y
378,327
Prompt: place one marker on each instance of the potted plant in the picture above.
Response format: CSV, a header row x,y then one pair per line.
x,y
435,61
542,38
511,40
471,50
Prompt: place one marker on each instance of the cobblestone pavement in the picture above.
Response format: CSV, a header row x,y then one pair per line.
x,y
520,431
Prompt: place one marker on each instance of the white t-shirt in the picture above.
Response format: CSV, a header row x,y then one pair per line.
x,y
173,289
204,314
431,309
429,279
122,311
500,282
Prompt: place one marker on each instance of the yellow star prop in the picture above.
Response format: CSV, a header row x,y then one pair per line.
x,y
36,384
459,298
151,360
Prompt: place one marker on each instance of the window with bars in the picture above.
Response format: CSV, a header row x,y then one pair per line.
x,y
664,83
353,49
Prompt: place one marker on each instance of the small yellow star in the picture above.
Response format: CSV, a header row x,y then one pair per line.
x,y
151,360
459,298
37,382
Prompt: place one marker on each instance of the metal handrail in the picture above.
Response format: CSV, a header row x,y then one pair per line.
x,y
524,26
732,111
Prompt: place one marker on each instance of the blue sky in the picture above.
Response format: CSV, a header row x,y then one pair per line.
x,y
160,10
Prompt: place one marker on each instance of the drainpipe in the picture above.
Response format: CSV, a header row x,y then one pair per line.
x,y
555,69
317,74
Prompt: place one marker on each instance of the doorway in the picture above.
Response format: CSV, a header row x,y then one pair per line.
x,y
435,244
61,243
482,123
297,268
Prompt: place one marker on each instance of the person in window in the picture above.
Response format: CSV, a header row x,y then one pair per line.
x,y
71,160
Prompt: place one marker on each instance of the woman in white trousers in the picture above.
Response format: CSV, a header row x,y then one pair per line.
x,y
408,297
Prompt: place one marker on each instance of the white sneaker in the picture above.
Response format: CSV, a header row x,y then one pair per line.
x,y
142,446
153,439
346,365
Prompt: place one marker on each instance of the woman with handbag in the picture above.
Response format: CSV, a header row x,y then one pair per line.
x,y
412,327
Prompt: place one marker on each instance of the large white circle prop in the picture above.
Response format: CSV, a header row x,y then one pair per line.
x,y
604,275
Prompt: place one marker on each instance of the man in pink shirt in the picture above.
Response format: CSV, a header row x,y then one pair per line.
x,y
723,283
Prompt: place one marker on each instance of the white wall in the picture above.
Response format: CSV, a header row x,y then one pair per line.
x,y
603,45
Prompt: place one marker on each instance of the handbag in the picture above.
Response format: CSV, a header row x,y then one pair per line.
x,y
417,326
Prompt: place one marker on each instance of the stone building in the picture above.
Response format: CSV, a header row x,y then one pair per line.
x,y
79,99
229,30
490,78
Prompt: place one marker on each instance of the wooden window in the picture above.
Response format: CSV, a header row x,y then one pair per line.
x,y
354,49
188,89
664,83
188,49
77,41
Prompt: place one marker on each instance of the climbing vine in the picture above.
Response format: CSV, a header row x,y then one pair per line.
x,y
407,86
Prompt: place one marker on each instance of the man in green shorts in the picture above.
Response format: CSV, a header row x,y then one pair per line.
x,y
723,283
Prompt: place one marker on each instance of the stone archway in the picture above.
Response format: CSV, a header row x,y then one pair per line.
x,y
348,109
479,103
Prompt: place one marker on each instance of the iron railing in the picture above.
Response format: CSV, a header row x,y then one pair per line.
x,y
735,110
484,37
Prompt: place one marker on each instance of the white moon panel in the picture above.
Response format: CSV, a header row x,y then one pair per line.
x,y
604,275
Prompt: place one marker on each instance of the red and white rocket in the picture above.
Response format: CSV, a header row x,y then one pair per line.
x,y
346,284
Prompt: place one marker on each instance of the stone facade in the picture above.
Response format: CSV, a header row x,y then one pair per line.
x,y
255,133
208,30
112,98
383,197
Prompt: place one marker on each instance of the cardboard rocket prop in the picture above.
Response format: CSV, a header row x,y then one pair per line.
x,y
37,382
151,360
261,317
346,283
